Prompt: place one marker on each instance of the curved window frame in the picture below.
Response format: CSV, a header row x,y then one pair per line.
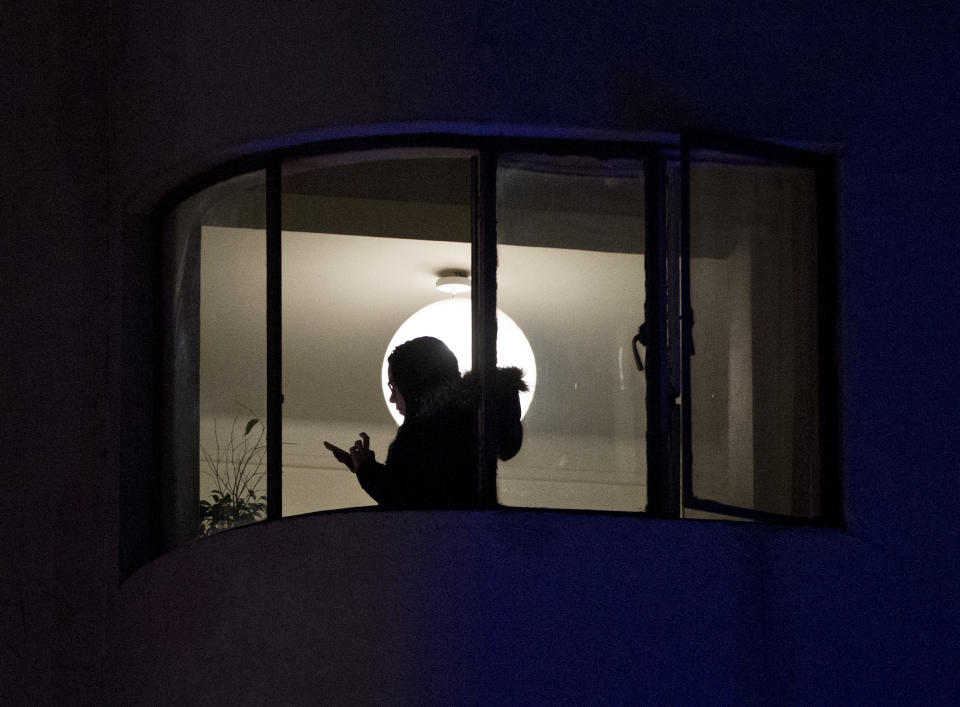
x,y
669,460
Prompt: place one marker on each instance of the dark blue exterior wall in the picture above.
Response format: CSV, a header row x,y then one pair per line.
x,y
113,104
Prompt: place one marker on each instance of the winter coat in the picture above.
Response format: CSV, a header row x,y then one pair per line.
x,y
432,461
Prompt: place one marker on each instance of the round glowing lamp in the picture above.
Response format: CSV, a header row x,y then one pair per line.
x,y
449,321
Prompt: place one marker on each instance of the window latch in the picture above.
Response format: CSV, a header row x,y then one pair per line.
x,y
639,339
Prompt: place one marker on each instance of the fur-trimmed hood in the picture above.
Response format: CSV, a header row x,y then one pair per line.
x,y
466,390
462,396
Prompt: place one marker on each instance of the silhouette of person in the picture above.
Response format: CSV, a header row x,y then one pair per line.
x,y
430,463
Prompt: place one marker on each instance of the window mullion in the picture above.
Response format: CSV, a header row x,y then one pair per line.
x,y
274,345
831,491
662,488
686,329
484,304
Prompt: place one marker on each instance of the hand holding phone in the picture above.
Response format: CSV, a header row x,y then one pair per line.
x,y
359,453
341,455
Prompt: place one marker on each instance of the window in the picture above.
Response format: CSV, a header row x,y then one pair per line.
x,y
757,366
674,303
570,232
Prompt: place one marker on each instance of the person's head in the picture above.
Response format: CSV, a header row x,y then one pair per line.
x,y
418,367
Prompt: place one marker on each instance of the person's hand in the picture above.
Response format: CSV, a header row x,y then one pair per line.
x,y
341,455
360,452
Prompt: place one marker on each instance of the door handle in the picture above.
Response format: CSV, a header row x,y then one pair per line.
x,y
639,339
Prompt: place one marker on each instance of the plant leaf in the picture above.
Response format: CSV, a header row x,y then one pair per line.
x,y
250,426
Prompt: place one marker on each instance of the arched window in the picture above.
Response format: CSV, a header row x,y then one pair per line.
x,y
676,299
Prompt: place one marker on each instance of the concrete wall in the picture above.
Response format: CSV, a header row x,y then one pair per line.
x,y
57,541
530,608
107,110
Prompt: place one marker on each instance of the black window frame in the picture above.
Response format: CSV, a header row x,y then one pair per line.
x,y
668,456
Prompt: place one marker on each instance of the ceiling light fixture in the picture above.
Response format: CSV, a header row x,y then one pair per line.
x,y
449,320
453,282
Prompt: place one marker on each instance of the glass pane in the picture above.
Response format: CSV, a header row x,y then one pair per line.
x,y
571,276
216,309
754,373
365,239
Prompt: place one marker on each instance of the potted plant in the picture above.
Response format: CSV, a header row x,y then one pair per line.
x,y
234,469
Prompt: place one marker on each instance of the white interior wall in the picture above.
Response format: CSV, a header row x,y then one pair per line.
x,y
344,296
